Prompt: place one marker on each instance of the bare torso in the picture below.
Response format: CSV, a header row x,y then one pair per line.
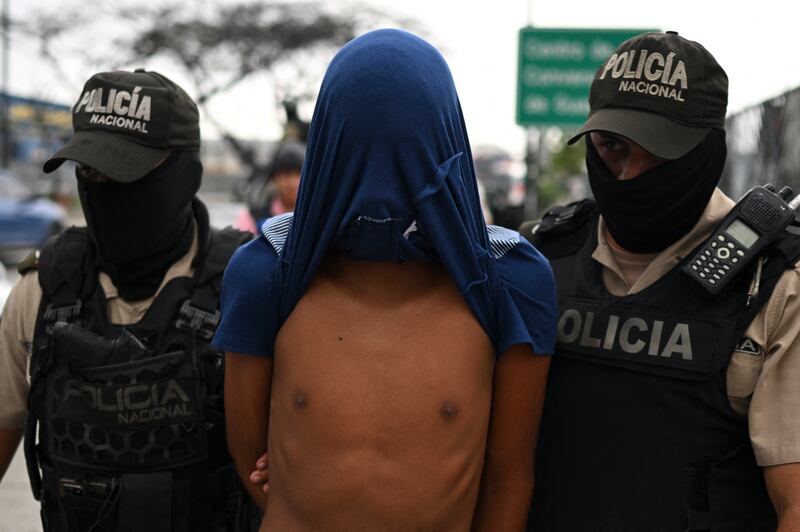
x,y
380,403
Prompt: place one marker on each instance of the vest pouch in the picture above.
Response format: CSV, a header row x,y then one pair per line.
x,y
88,504
78,503
127,503
140,416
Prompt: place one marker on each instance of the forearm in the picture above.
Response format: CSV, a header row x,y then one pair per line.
x,y
247,391
245,452
9,440
788,510
789,519
507,481
783,485
504,500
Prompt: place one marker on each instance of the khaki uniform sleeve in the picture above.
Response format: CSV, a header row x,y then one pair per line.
x,y
16,338
774,415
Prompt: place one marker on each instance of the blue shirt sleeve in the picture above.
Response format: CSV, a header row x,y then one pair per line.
x,y
528,310
248,304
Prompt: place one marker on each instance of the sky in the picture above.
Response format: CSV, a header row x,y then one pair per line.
x,y
755,42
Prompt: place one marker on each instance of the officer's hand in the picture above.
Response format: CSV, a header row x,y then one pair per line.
x,y
261,474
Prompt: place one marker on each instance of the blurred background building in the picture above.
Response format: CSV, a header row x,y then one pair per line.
x,y
764,145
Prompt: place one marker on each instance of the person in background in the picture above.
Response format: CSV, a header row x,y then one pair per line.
x,y
279,193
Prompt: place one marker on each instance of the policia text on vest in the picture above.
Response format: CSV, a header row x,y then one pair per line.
x,y
636,399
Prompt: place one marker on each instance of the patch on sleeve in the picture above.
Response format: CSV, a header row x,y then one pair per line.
x,y
501,240
749,346
276,230
30,262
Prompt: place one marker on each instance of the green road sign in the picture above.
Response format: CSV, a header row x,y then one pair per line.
x,y
556,67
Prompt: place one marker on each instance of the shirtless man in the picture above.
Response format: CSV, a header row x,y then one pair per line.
x,y
388,364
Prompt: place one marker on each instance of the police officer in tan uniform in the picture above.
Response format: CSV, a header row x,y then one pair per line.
x,y
105,359
667,408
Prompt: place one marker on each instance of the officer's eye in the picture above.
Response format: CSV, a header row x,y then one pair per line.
x,y
90,174
609,142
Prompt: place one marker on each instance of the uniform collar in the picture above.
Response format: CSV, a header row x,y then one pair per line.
x,y
718,206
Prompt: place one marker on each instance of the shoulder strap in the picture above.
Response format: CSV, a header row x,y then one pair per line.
x,y
558,220
66,274
224,242
562,229
788,245
201,312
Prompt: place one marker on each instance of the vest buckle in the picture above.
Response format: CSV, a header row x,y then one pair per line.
x,y
66,313
196,319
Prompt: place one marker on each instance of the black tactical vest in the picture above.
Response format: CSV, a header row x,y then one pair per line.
x,y
131,429
637,432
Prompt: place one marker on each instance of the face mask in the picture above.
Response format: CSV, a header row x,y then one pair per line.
x,y
655,209
140,229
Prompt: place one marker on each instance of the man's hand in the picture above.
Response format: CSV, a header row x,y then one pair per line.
x,y
261,474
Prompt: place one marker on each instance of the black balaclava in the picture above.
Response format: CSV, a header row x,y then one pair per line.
x,y
141,228
655,209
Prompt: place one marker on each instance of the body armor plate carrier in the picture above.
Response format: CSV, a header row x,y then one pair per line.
x,y
637,431
130,419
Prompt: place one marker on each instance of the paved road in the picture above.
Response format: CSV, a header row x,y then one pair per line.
x,y
19,512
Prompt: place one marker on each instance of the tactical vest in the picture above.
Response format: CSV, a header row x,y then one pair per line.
x,y
131,429
637,431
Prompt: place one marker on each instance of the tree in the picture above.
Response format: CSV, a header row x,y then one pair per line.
x,y
565,163
221,47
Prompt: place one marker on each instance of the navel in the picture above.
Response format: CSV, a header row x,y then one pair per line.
x,y
448,411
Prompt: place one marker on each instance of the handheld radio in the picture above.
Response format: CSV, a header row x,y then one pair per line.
x,y
755,221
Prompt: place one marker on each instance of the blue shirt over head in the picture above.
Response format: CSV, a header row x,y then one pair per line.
x,y
388,175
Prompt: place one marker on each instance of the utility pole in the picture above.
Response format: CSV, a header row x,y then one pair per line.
x,y
533,152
